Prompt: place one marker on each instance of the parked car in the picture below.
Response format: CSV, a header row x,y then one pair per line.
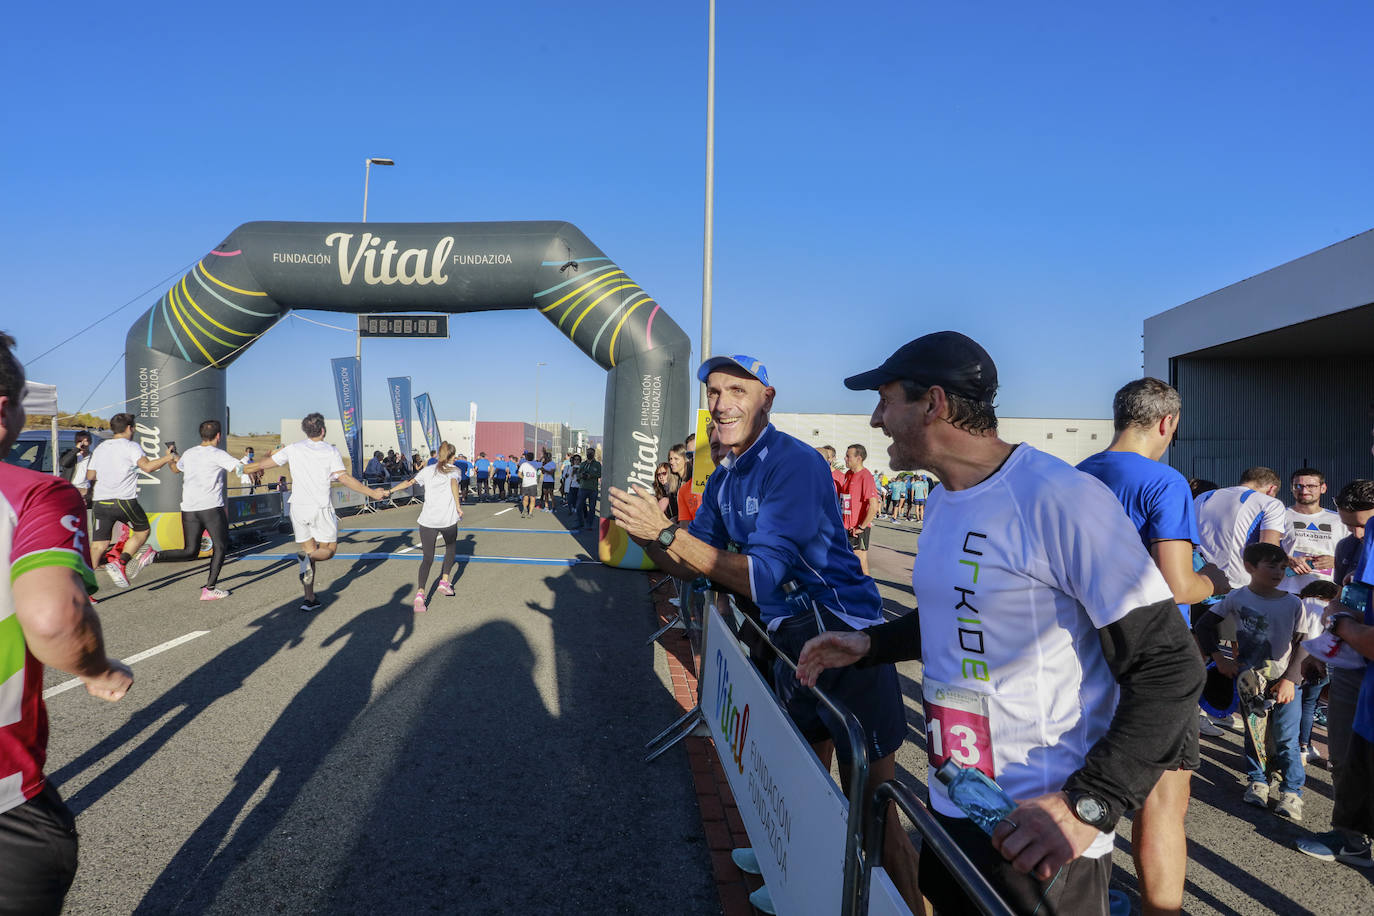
x,y
33,449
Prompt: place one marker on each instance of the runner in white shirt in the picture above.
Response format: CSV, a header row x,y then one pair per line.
x,y
442,511
1310,533
1055,659
315,465
202,472
1230,518
113,469
529,485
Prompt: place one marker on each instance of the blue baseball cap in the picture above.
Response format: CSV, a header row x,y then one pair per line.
x,y
750,365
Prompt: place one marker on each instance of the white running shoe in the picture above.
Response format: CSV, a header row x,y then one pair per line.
x,y
116,571
212,594
1289,806
1257,794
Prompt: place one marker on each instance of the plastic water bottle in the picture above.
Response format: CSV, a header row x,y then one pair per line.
x,y
975,794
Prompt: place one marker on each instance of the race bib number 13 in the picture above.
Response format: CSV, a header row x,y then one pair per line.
x,y
957,727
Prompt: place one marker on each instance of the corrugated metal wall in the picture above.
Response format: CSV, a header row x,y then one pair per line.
x,y
1283,413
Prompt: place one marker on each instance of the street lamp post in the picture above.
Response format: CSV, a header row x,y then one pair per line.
x,y
358,334
367,174
710,189
536,407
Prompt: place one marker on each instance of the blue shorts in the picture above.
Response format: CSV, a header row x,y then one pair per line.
x,y
871,693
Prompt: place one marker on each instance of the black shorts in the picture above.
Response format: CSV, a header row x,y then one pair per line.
x,y
1354,802
548,488
1190,756
37,854
871,693
529,492
1079,888
860,541
106,512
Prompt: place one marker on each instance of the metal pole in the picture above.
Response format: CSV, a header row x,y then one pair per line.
x,y
710,189
536,407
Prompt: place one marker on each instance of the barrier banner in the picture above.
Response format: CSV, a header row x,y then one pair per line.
x,y
253,507
398,389
429,423
793,811
347,386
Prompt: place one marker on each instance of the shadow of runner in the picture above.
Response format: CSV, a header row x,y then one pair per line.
x,y
286,758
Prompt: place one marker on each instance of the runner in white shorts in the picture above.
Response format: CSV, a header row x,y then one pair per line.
x,y
315,465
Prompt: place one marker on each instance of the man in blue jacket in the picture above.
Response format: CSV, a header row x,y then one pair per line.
x,y
769,516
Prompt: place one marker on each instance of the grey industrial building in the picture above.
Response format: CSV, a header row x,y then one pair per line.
x,y
1275,370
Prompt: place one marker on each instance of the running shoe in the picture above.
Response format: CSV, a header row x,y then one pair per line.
x,y
116,571
311,604
1206,726
445,588
1257,794
1335,846
145,556
420,607
1289,806
212,594
307,571
1310,755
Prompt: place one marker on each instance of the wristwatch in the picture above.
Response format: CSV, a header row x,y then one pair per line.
x,y
1090,809
667,535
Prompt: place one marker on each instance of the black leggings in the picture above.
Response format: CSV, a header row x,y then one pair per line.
x,y
193,524
427,539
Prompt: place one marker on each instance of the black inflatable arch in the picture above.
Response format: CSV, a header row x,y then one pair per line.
x,y
177,352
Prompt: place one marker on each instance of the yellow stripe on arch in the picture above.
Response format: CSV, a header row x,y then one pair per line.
x,y
246,292
583,289
587,291
171,300
621,324
191,318
186,294
599,299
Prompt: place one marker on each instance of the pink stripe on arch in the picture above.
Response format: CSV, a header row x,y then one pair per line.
x,y
649,328
227,254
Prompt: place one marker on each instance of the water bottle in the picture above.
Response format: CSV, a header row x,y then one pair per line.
x,y
975,794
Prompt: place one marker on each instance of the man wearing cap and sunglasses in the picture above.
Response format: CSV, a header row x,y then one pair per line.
x,y
1038,606
769,516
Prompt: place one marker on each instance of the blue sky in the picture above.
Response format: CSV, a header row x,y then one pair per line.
x,y
1041,177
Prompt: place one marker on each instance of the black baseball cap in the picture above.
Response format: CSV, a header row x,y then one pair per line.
x,y
949,359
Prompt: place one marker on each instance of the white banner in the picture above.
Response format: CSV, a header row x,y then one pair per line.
x,y
343,498
472,431
792,809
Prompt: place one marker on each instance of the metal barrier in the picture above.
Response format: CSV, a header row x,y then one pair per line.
x,y
935,839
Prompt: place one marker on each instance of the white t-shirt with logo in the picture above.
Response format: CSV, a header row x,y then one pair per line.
x,y
529,474
1014,578
1230,518
440,511
115,462
314,466
202,477
1313,535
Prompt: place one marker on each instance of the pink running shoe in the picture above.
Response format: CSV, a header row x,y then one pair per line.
x,y
420,607
116,571
445,588
145,556
212,594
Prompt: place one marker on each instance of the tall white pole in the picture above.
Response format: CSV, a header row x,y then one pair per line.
x,y
536,407
710,189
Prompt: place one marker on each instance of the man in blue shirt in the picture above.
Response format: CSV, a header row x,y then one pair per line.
x,y
483,468
769,516
1160,505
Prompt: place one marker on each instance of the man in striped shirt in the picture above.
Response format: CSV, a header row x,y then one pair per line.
x,y
46,618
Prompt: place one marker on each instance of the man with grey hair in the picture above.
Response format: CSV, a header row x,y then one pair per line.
x,y
1145,415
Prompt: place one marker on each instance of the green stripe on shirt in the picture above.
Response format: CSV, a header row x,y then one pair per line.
x,y
11,648
56,557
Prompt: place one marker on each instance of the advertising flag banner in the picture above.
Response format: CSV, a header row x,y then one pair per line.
x,y
472,429
429,423
398,389
702,465
347,388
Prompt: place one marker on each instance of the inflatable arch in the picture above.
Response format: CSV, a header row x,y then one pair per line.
x,y
177,352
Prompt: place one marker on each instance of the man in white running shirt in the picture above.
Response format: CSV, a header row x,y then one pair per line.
x,y
202,471
315,464
529,484
114,468
1231,517
1055,659
1311,533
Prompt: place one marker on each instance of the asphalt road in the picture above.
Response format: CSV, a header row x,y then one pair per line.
x,y
483,757
1241,860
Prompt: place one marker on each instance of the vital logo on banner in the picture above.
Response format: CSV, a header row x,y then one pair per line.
x,y
398,389
429,423
347,386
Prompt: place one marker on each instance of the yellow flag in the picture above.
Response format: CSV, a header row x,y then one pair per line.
x,y
702,465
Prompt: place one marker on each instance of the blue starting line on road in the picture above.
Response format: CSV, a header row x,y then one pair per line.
x,y
462,528
520,561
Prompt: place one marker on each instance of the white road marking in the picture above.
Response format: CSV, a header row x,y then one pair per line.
x,y
406,549
155,650
503,511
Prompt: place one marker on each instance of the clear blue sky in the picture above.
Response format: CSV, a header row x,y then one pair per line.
x,y
1041,177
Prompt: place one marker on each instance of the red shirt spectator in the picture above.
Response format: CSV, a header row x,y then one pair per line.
x,y
687,502
856,488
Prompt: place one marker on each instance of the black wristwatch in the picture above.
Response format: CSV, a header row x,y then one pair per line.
x,y
1090,809
667,535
